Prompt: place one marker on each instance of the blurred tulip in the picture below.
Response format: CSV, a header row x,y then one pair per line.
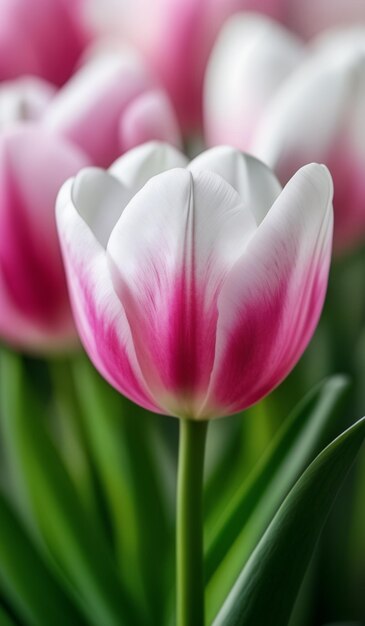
x,y
176,36
34,307
288,115
41,37
110,105
24,99
196,295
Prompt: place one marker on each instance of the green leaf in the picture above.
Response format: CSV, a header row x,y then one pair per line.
x,y
267,587
70,537
127,448
25,579
69,433
244,520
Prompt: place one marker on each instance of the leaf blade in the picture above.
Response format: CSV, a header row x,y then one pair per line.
x,y
293,531
251,509
25,578
70,538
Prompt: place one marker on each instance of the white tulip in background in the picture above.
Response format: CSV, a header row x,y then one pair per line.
x,y
288,105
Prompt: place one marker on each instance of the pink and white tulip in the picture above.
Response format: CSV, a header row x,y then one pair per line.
x,y
41,37
195,290
312,111
35,312
110,105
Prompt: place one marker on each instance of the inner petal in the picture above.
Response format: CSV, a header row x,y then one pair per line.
x,y
256,184
100,200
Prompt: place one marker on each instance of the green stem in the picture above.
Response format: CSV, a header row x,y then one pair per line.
x,y
189,533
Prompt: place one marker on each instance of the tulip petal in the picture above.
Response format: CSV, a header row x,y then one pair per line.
x,y
169,254
41,38
253,180
99,315
251,58
149,116
137,166
270,302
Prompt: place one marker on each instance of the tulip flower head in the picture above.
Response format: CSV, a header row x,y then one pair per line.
x,y
195,287
35,313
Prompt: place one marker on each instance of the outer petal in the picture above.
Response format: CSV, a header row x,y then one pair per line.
x,y
149,116
255,182
101,198
137,166
35,309
318,115
24,99
251,58
99,315
169,253
88,109
270,302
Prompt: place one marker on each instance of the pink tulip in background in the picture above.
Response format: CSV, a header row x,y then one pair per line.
x,y
35,313
41,37
305,107
195,293
110,105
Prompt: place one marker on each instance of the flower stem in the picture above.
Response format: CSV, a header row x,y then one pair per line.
x,y
189,533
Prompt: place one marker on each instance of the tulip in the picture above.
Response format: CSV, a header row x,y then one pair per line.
x,y
314,112
35,313
176,36
24,99
110,105
41,37
195,287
